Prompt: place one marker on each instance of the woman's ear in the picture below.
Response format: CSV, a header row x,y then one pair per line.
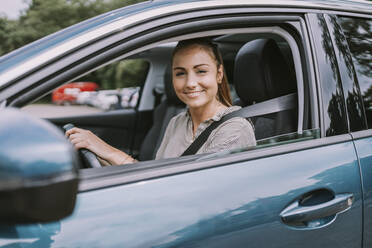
x,y
219,74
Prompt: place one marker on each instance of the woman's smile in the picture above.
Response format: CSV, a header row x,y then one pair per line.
x,y
193,94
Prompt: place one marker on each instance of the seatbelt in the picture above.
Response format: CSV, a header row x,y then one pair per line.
x,y
275,105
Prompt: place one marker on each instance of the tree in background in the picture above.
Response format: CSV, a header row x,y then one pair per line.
x,y
44,17
121,74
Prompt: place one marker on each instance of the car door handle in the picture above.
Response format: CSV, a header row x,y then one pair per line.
x,y
296,213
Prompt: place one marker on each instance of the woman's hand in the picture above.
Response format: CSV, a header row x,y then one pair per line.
x,y
82,138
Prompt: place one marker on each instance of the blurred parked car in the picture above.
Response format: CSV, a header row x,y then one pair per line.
x,y
109,99
301,69
68,93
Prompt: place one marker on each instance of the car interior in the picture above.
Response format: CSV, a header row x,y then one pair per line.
x,y
262,75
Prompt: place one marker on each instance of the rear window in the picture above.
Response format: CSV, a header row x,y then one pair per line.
x,y
358,33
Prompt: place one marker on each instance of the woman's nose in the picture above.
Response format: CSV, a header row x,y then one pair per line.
x,y
191,81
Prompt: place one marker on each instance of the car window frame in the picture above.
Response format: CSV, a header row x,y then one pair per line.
x,y
46,81
226,21
155,168
238,20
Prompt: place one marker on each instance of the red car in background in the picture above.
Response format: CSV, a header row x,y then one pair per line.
x,y
67,94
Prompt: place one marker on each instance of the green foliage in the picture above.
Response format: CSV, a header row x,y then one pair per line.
x,y
122,74
8,36
44,17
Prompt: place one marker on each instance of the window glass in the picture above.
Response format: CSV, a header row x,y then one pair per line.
x,y
358,33
115,86
334,111
350,87
290,138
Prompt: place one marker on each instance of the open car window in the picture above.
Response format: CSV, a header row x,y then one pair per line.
x,y
265,75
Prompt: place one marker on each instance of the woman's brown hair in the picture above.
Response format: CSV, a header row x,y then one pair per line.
x,y
223,93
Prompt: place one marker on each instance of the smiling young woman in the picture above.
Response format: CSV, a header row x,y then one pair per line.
x,y
200,81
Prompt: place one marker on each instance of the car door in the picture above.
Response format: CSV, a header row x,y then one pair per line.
x,y
250,199
304,193
356,31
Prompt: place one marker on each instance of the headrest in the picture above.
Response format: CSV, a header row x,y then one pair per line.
x,y
261,72
169,89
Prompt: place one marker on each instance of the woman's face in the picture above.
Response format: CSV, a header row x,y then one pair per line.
x,y
196,77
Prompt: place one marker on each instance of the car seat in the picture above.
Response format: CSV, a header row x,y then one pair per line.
x,y
163,113
262,73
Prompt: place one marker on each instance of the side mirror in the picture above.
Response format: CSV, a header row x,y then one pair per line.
x,y
38,170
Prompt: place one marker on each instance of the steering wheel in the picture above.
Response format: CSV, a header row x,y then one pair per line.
x,y
90,159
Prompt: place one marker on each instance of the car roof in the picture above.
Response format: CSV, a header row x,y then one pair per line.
x,y
38,47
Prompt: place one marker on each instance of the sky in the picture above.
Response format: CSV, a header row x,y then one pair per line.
x,y
12,8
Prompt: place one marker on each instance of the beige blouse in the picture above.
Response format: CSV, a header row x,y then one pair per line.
x,y
236,132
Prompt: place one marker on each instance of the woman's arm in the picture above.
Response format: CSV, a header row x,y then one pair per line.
x,y
82,138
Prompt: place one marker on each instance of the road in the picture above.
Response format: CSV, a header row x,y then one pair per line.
x,y
51,110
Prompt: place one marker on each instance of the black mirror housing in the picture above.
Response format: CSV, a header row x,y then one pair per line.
x,y
38,170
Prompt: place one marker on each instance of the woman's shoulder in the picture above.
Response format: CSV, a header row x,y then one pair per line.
x,y
179,118
232,133
237,119
237,123
224,112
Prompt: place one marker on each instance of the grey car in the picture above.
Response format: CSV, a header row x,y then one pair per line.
x,y
301,68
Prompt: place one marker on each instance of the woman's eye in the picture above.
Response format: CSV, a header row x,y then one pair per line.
x,y
179,74
202,71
